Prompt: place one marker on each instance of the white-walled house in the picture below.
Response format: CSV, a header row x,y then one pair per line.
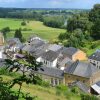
x,y
95,59
49,59
13,45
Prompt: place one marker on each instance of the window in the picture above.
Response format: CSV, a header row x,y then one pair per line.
x,y
56,82
60,82
52,81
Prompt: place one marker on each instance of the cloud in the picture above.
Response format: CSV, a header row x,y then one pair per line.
x,y
59,2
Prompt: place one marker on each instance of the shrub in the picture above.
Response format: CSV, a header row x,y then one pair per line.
x,y
75,90
45,84
93,46
6,72
23,23
88,97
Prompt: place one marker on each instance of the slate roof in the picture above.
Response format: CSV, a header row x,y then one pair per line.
x,y
82,69
69,52
95,56
32,46
13,40
63,61
37,53
27,48
50,55
55,47
37,43
54,72
96,87
81,86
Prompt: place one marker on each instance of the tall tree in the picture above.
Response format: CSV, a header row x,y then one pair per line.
x,y
78,21
5,30
94,16
18,34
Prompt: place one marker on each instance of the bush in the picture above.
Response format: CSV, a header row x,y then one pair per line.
x,y
3,71
93,46
88,97
6,29
23,23
45,84
61,89
75,90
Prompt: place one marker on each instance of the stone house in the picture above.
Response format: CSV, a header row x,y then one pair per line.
x,y
52,75
95,59
74,54
83,72
33,45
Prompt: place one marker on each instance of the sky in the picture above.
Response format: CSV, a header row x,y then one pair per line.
x,y
82,4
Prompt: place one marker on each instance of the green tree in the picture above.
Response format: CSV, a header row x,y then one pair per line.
x,y
5,31
18,34
78,21
5,92
94,16
95,30
23,23
27,67
76,38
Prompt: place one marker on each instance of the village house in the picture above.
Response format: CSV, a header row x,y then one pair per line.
x,y
33,45
13,45
53,76
95,59
37,53
35,37
83,72
74,54
63,62
49,59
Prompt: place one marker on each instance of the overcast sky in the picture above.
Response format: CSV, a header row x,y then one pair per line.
x,y
87,4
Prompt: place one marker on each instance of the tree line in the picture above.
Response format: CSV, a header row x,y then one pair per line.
x,y
82,28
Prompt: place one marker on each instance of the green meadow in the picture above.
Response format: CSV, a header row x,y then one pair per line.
x,y
32,27
42,93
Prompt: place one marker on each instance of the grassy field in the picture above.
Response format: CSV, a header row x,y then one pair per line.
x,y
33,27
42,93
90,50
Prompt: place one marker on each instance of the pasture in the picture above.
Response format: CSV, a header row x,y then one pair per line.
x,y
32,27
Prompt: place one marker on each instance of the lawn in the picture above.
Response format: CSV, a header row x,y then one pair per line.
x,y
33,27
